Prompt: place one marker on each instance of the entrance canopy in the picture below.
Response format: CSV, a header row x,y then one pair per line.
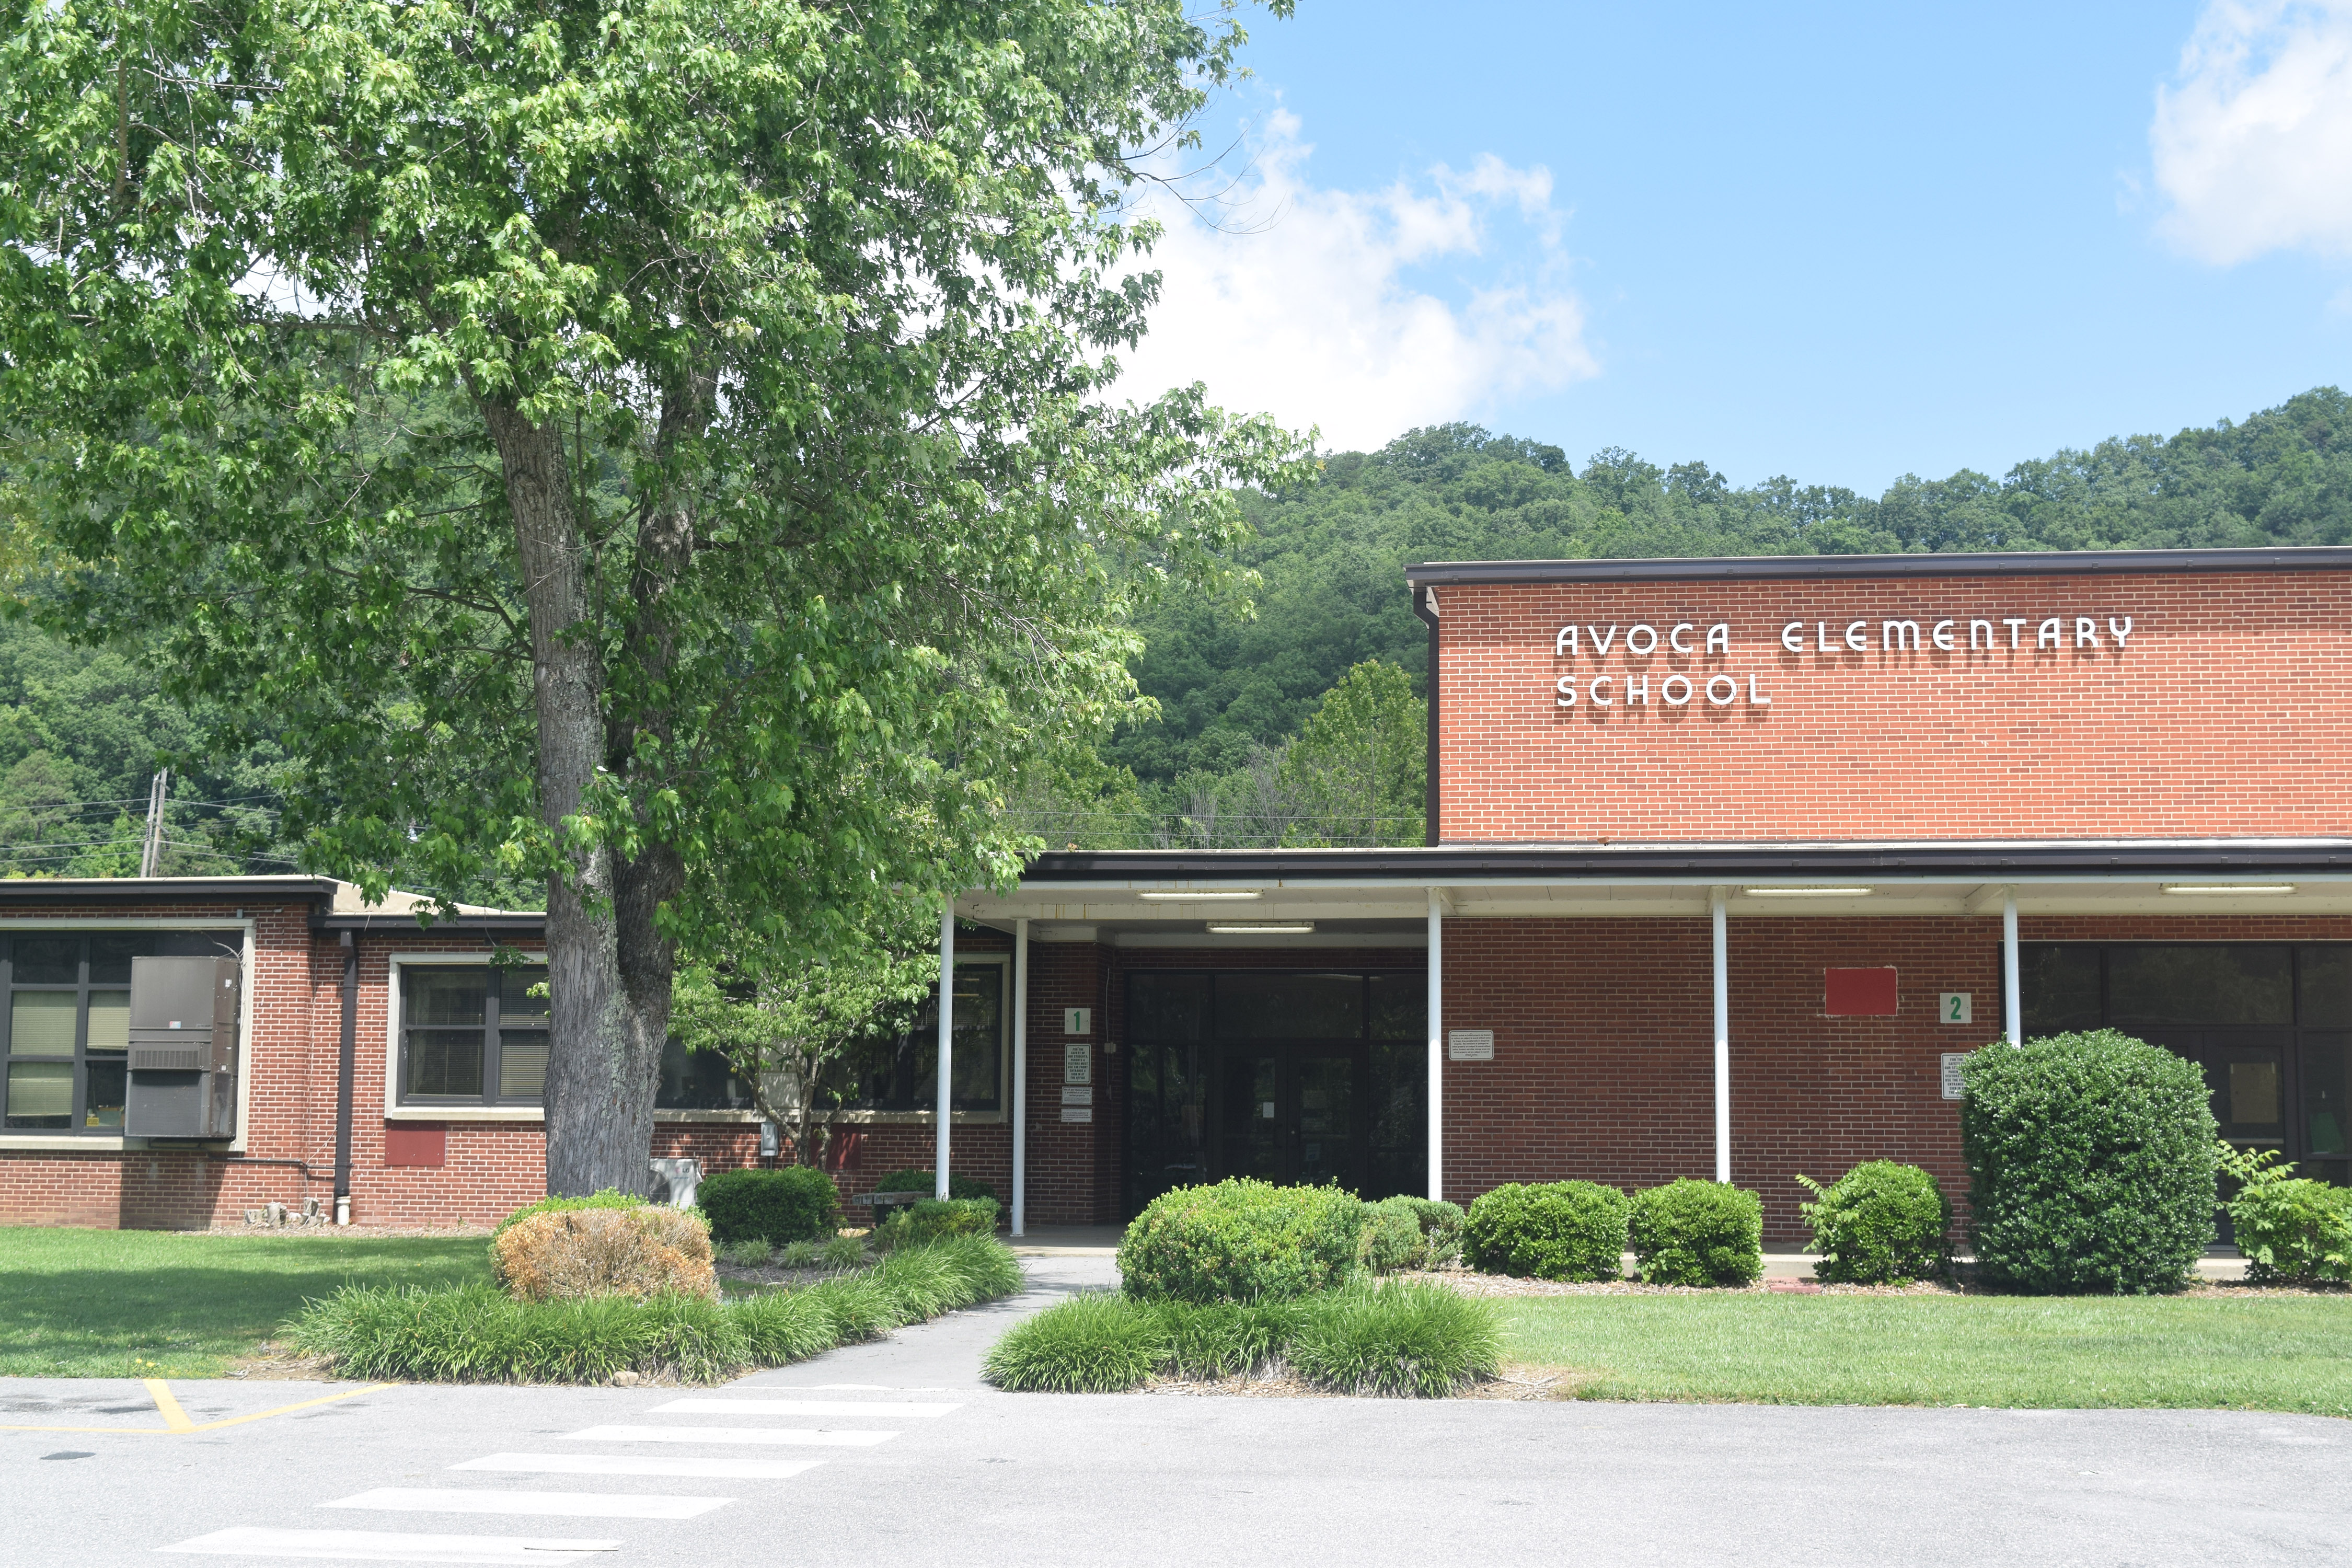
x,y
1138,897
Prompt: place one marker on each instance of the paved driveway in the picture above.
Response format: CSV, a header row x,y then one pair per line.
x,y
895,1454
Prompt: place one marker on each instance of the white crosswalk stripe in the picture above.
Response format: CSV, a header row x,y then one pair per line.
x,y
575,1505
788,1435
692,1466
387,1546
865,1407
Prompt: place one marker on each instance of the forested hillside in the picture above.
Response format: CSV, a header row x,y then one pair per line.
x,y
1236,757
1330,558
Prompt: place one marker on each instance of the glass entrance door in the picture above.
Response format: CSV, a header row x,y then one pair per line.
x,y
1294,1115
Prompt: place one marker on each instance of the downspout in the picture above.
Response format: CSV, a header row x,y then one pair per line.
x,y
343,1072
1424,605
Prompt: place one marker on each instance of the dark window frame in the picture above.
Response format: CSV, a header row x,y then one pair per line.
x,y
496,977
926,1035
228,938
2290,1087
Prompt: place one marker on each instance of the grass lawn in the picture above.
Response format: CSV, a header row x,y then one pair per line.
x,y
2278,1352
143,1303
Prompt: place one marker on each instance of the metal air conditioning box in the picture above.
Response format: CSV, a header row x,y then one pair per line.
x,y
184,1015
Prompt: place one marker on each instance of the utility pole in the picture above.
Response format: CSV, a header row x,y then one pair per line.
x,y
151,850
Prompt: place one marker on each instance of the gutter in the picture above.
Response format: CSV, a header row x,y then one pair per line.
x,y
1954,564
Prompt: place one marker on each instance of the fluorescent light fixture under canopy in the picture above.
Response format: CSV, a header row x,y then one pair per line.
x,y
1260,928
1808,892
2230,889
1199,895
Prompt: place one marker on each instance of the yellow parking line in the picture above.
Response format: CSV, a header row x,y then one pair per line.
x,y
173,1416
176,1422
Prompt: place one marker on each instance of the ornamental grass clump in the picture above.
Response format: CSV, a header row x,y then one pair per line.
x,y
578,1253
1879,1224
1101,1343
932,1219
2090,1163
1241,1240
1555,1230
1697,1233
1402,1339
479,1333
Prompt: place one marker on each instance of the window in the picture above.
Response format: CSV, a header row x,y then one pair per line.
x,y
900,1072
67,1022
474,1034
2270,1025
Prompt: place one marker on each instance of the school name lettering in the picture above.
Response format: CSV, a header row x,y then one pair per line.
x,y
2050,633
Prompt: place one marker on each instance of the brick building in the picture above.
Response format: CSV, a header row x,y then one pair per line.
x,y
1727,861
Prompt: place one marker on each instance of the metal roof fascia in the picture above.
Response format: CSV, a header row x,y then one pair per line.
x,y
1988,564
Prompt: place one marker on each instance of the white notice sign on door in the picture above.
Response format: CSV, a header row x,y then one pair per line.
x,y
1470,1045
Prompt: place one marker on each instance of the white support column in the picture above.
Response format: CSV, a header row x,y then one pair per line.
x,y
1722,1037
1020,1076
2013,999
1436,1046
947,1040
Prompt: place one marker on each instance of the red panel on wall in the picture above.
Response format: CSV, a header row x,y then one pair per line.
x,y
419,1145
1858,992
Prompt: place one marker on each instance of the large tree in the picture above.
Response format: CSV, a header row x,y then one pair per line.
x,y
658,446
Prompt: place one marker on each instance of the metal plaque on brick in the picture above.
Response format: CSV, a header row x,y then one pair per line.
x,y
1953,1087
1078,1064
1078,1113
1470,1045
1074,1096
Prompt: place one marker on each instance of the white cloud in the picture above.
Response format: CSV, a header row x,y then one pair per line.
x,y
2253,144
1295,302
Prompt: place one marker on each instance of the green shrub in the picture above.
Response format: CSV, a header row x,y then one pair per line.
x,y
1095,1343
477,1333
930,1220
610,1198
2091,1164
792,1203
1398,1339
914,1180
1558,1230
2288,1227
1241,1240
1391,1237
1441,1231
1879,1223
1697,1233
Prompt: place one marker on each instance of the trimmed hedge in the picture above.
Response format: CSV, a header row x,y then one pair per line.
x,y
2090,1163
1409,1339
1241,1240
931,1219
1391,1237
1879,1223
789,1203
2287,1227
477,1333
1440,1230
610,1198
1555,1230
924,1179
1697,1233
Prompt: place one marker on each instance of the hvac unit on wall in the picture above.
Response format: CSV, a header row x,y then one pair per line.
x,y
184,1013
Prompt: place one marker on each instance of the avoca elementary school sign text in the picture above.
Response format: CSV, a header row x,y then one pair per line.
x,y
1990,639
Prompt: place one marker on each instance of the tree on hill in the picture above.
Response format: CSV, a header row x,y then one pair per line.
x,y
1358,766
661,452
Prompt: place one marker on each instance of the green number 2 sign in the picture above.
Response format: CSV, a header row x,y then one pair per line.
x,y
1954,1007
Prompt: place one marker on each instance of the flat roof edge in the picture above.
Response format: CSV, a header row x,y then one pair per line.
x,y
1954,564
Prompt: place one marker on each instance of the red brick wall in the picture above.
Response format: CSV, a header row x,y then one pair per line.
x,y
2230,711
1605,1030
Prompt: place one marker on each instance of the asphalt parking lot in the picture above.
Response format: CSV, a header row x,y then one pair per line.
x,y
896,1453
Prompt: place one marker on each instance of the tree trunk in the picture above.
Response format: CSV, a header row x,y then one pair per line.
x,y
604,1061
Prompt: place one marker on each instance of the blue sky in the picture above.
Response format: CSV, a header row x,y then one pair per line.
x,y
1840,242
